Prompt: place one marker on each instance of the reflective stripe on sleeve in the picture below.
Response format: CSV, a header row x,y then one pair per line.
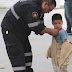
x,y
22,0
35,23
19,68
14,13
28,54
28,64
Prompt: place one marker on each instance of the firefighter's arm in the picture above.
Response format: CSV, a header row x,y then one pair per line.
x,y
50,31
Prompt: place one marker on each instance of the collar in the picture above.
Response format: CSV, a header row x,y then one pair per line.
x,y
59,29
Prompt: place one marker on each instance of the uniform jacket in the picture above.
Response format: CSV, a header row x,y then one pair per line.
x,y
23,17
59,53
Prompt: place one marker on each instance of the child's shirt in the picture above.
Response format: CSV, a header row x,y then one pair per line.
x,y
62,34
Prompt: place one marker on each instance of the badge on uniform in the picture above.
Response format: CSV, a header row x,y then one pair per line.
x,y
35,14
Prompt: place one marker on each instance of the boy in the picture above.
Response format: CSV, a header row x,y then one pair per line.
x,y
60,38
57,23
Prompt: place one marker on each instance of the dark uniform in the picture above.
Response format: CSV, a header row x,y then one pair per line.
x,y
24,17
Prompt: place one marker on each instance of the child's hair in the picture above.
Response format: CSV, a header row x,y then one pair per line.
x,y
56,17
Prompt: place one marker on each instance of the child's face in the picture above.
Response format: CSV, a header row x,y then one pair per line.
x,y
57,24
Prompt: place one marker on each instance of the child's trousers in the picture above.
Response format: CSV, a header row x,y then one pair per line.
x,y
62,70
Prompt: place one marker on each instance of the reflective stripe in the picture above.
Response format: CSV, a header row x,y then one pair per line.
x,y
7,32
28,64
19,68
22,0
14,13
35,23
28,54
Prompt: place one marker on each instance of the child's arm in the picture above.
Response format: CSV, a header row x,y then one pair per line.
x,y
63,35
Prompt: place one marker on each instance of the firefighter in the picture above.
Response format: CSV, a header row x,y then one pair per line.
x,y
22,18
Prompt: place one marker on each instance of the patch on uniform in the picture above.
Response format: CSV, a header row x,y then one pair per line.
x,y
35,14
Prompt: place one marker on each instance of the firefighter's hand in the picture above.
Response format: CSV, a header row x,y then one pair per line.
x,y
50,31
54,32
